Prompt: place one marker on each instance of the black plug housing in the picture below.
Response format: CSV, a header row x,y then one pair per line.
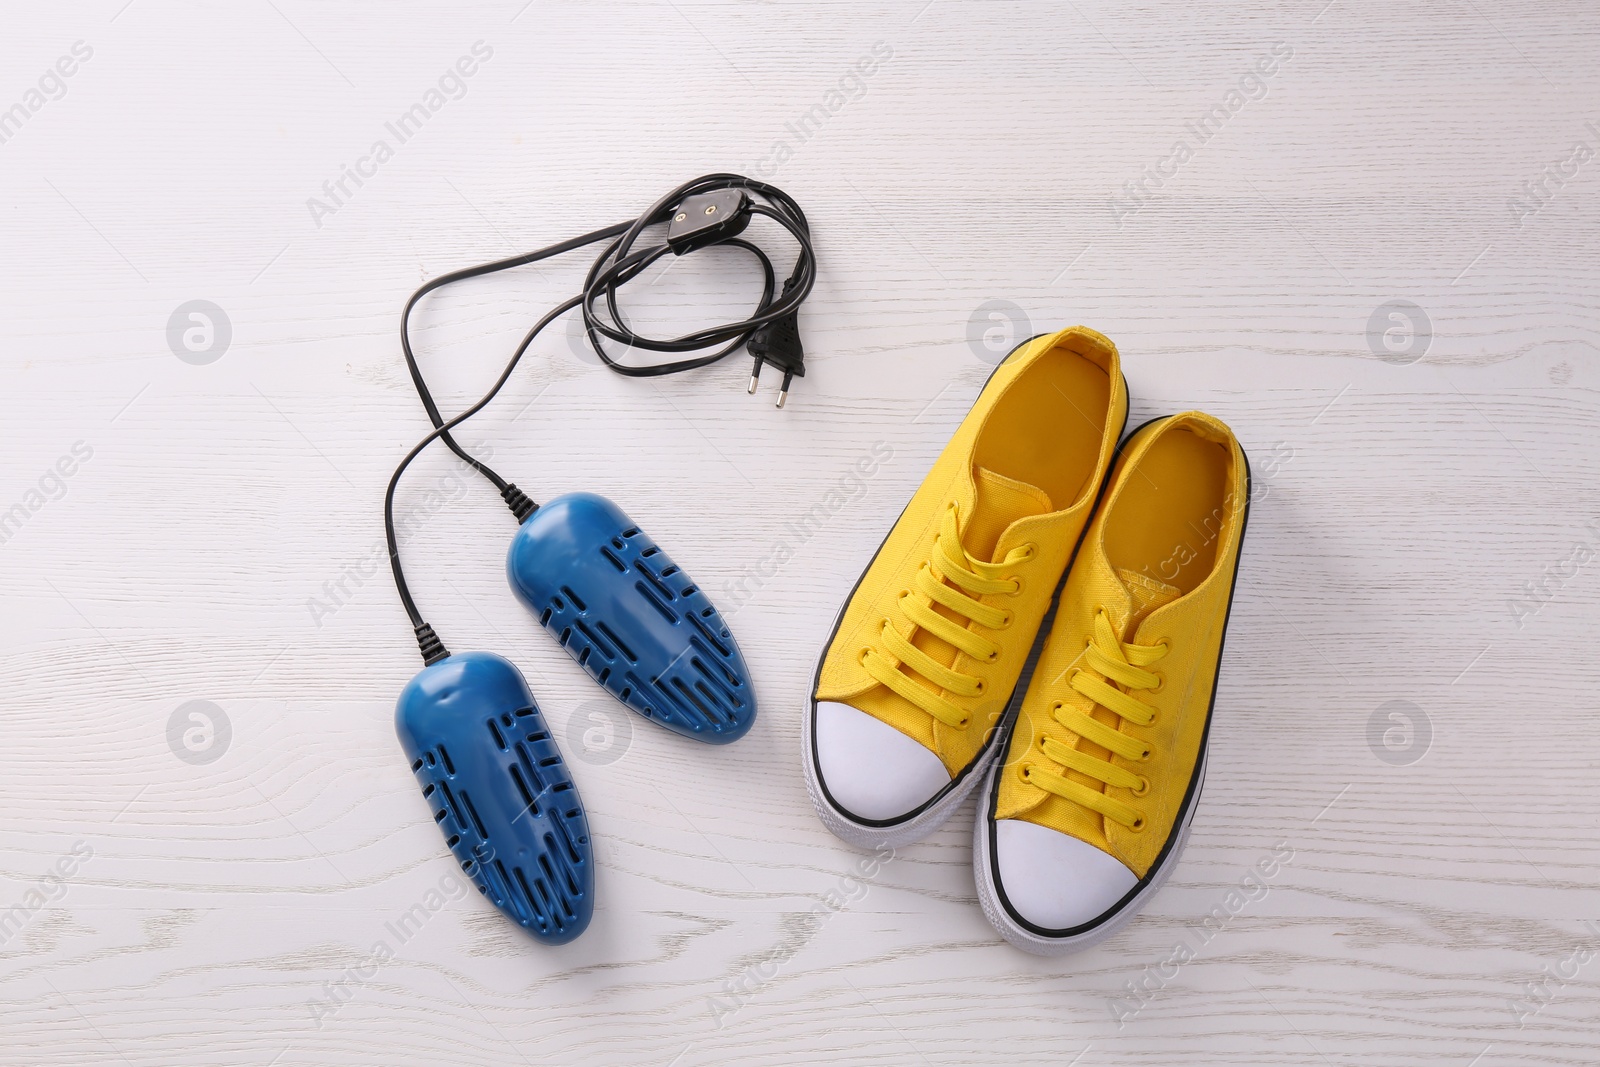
x,y
428,642
518,502
778,343
707,219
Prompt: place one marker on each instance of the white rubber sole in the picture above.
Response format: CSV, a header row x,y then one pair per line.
x,y
1039,944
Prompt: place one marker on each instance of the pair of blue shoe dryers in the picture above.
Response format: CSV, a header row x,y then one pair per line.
x,y
483,753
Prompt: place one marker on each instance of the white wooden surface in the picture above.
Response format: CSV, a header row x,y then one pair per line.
x,y
225,903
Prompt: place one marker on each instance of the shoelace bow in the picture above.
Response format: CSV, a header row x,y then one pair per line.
x,y
971,578
1119,661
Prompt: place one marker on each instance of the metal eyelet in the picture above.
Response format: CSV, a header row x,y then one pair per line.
x,y
1022,771
962,725
1138,825
993,657
1144,787
1144,757
1161,682
1010,618
1164,643
983,687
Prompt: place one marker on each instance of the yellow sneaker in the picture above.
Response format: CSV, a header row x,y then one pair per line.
x,y
1085,817
925,655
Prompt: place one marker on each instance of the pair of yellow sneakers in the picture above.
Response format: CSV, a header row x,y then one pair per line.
x,y
1045,618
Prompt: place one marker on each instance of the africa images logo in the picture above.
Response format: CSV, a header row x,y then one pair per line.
x,y
47,889
452,85
52,85
852,85
1537,192
51,485
1251,86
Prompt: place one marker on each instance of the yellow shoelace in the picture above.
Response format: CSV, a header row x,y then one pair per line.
x,y
971,578
1119,661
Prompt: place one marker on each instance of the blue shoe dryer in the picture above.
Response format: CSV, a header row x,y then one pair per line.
x,y
631,618
500,791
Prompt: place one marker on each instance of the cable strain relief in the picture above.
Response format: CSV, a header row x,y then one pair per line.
x,y
432,648
518,502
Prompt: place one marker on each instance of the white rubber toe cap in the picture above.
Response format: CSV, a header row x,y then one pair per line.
x,y
1054,881
871,770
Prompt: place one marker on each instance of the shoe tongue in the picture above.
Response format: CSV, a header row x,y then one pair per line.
x,y
998,502
1147,594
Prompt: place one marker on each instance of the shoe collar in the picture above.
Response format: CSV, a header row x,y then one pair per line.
x,y
1118,601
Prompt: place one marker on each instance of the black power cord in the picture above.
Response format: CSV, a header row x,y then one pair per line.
x,y
714,209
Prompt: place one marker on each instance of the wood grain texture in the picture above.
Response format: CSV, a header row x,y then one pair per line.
x,y
226,909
